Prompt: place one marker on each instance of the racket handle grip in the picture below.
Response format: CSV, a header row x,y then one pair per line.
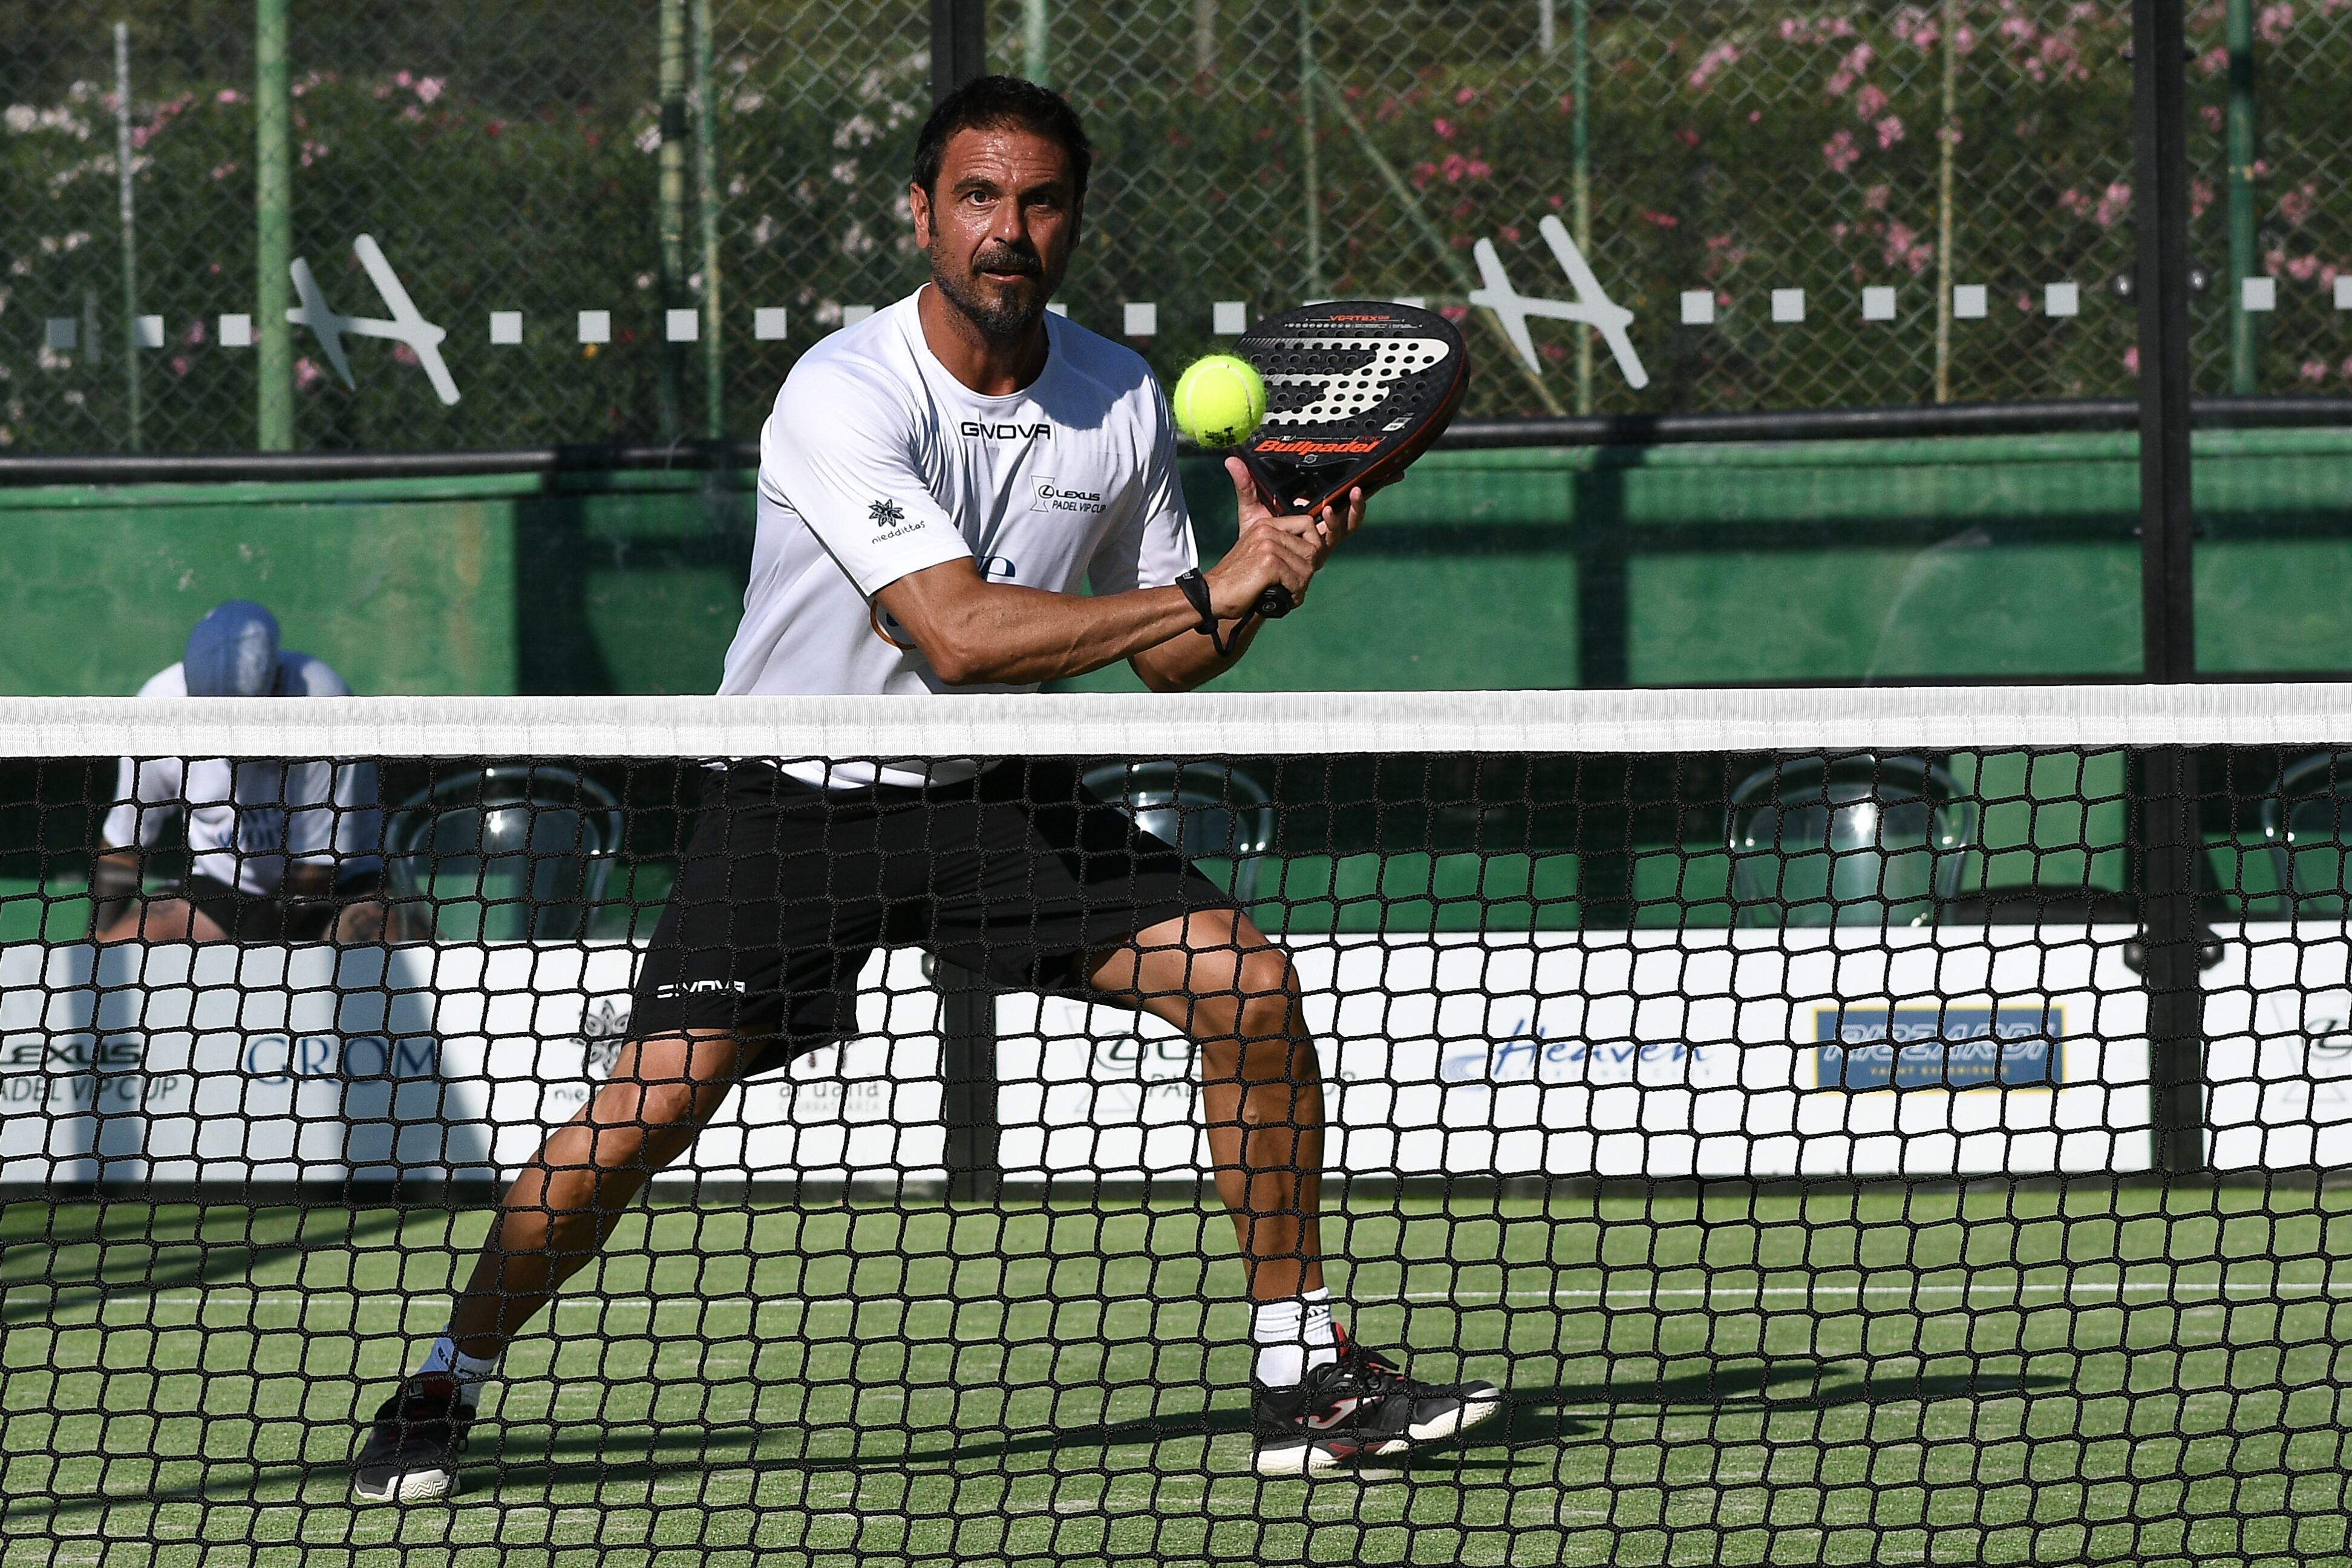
x,y
1275,602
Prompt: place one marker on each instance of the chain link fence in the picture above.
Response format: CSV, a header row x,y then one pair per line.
x,y
628,219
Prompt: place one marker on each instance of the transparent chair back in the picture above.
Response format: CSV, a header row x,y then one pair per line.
x,y
2307,823
511,853
1853,840
1210,811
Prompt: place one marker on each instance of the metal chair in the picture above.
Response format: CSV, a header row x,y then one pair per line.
x,y
1208,810
514,852
2307,826
1851,840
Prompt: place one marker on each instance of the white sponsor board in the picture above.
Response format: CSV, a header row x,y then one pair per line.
x,y
178,1063
1926,1052
1649,1053
2278,1011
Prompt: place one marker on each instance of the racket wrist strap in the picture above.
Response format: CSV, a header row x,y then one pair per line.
x,y
1196,593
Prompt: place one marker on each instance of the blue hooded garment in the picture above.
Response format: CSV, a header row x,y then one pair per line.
x,y
233,652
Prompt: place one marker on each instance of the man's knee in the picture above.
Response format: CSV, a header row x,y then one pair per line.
x,y
1266,990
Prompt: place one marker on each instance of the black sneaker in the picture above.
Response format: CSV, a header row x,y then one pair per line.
x,y
1360,1406
411,1453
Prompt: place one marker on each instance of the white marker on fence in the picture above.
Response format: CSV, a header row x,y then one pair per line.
x,y
682,326
595,326
1413,301
407,324
237,331
1140,320
1056,307
1878,304
2062,299
1969,302
2344,293
1787,305
768,323
2258,293
506,328
1699,307
1229,317
1593,306
853,314
62,332
147,332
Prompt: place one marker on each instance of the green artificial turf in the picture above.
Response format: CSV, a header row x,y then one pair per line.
x,y
1866,1376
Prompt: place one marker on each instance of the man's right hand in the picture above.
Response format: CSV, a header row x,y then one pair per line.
x,y
1263,556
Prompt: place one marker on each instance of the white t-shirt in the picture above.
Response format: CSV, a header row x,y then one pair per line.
x,y
877,462
248,817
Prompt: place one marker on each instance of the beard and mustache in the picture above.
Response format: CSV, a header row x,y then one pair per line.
x,y
1008,313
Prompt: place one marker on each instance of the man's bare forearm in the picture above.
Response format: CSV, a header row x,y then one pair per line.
x,y
1006,635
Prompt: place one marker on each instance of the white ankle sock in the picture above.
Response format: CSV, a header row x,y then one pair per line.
x,y
1291,1337
470,1372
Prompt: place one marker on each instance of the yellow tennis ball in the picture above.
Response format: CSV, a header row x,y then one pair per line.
x,y
1220,400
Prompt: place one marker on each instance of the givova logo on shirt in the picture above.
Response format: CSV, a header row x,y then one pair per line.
x,y
1053,497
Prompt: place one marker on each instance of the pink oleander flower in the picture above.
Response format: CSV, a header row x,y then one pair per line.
x,y
1713,63
1890,132
1840,151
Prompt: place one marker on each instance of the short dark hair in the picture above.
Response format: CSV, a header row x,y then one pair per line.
x,y
992,102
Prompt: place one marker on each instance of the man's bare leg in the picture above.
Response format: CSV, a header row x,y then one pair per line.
x,y
1218,978
1317,1405
164,920
564,1206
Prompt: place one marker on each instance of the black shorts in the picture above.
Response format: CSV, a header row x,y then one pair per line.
x,y
245,917
786,889
270,918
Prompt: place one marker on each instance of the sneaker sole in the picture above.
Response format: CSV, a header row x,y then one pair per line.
x,y
1298,1460
1477,1408
417,1486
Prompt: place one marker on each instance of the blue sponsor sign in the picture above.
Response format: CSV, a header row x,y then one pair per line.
x,y
2014,1045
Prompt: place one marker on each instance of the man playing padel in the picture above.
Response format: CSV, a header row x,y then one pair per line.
x,y
936,485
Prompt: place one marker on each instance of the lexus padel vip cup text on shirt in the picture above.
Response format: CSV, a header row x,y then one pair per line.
x,y
876,463
247,818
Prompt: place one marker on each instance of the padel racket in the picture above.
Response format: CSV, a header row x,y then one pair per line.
x,y
1355,390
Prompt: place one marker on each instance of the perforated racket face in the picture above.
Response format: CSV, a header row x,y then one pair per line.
x,y
1354,391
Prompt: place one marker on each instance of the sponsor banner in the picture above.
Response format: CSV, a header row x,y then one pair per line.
x,y
181,1063
1657,1053
1940,1046
1767,1053
2278,1067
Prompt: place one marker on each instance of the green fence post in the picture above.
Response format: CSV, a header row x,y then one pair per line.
x,y
1580,192
1948,137
706,167
1309,171
273,163
128,206
2244,377
1036,39
672,218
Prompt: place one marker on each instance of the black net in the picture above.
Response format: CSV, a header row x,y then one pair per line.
x,y
1754,1157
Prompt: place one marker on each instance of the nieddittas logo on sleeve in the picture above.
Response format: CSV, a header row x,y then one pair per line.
x,y
890,518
